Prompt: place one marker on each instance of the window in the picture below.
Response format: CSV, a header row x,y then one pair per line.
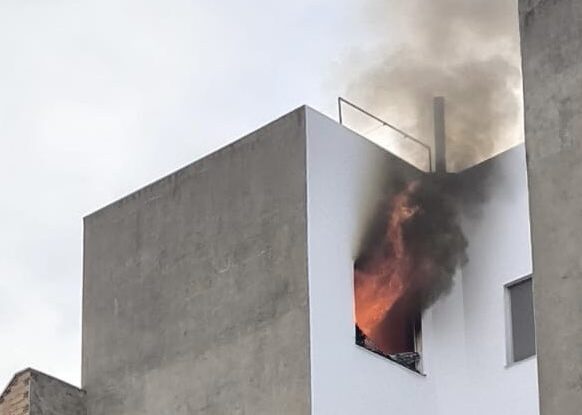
x,y
401,343
521,341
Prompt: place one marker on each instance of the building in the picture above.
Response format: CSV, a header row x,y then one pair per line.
x,y
31,392
552,72
228,287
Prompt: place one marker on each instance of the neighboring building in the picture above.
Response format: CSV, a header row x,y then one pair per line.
x,y
33,393
551,33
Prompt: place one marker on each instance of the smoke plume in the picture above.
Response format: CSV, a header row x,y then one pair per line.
x,y
464,50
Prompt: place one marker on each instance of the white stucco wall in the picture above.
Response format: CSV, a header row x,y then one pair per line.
x,y
464,353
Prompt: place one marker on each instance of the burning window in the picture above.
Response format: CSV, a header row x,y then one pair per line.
x,y
404,348
409,260
521,321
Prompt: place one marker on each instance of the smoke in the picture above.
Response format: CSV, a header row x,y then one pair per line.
x,y
464,50
435,239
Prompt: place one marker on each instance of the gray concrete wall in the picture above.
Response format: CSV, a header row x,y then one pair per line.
x,y
195,287
50,396
551,33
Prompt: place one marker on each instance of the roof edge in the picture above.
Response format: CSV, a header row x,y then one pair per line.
x,y
36,372
301,109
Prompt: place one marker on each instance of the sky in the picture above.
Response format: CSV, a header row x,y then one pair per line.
x,y
102,97
99,98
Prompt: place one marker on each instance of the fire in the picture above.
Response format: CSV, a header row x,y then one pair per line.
x,y
409,265
385,278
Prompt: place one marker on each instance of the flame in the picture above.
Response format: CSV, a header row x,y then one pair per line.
x,y
385,278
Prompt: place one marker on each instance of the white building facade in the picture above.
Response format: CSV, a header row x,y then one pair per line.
x,y
466,334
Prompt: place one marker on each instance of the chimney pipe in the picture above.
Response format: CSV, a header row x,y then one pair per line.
x,y
440,148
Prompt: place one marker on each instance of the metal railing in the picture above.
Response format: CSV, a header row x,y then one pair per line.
x,y
386,124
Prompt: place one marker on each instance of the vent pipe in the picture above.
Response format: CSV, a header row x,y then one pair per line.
x,y
440,138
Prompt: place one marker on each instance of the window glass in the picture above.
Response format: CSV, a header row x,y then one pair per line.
x,y
522,320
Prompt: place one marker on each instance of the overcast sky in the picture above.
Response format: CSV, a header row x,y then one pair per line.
x,y
101,97
98,98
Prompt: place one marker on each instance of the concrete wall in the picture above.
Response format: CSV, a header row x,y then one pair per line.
x,y
195,287
551,41
464,333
